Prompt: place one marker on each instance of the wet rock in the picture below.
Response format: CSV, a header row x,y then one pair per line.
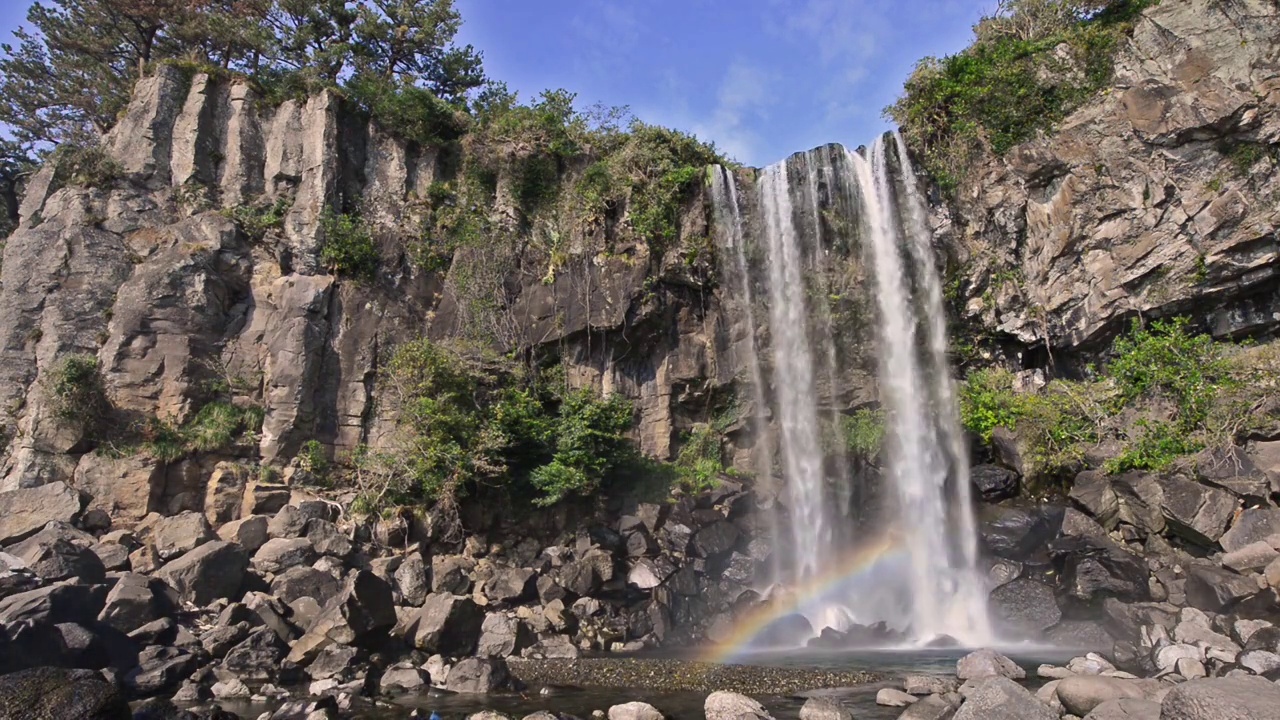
x,y
579,577
716,539
674,537
934,707
1197,513
999,698
994,483
57,694
649,573
1025,605
890,697
451,574
478,675
634,711
1222,699
986,663
509,585
333,661
723,705
1081,694
929,684
27,510
257,658
819,708
1090,664
449,625
180,534
279,554
1126,709
403,679
552,647
232,689
214,570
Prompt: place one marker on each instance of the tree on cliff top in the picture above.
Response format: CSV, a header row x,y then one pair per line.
x,y
70,74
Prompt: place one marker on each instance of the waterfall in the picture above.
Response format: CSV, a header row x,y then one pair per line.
x,y
929,586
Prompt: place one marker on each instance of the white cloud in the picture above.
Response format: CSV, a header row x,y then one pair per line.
x,y
745,94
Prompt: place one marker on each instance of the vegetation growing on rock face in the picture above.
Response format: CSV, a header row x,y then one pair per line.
x,y
75,384
1167,392
347,247
467,420
1031,64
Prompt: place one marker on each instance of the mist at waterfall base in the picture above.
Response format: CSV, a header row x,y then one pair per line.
x,y
910,571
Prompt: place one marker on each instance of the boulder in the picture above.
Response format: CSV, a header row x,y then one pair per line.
x,y
160,669
288,522
1227,698
1252,525
1082,693
132,603
929,684
305,581
820,708
1096,567
1025,606
1254,556
27,510
476,675
219,641
113,556
400,679
180,534
451,574
987,663
449,625
723,705
53,604
327,539
250,532
127,488
634,711
1126,709
57,694
993,483
502,635
279,554
579,577
257,657
934,707
54,559
716,539
509,585
411,579
1213,589
999,698
1197,513
224,493
361,611
648,573
1093,493
891,697
213,570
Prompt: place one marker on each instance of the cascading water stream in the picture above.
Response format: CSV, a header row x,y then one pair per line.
x,y
926,583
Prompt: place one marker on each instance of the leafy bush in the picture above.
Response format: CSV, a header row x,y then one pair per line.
x,y
86,166
1029,67
589,442
1156,448
78,395
987,401
347,248
700,462
312,458
1166,360
256,220
864,432
411,112
220,424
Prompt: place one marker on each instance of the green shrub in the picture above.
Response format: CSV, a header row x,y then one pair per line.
x,y
700,462
1166,360
259,219
348,248
78,395
1156,448
312,458
87,166
864,432
1012,82
411,112
589,443
987,401
218,425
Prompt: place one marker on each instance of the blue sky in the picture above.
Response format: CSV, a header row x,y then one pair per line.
x,y
760,78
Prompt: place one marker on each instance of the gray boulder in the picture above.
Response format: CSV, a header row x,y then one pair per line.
x,y
305,581
279,554
27,510
1196,512
55,558
160,669
509,585
994,483
213,570
716,539
933,707
1126,709
1025,605
1253,525
987,663
635,711
820,708
999,698
449,625
1228,698
1214,589
502,635
180,534
250,533
1082,693
132,603
411,580
257,657
451,574
327,539
723,705
403,679
478,675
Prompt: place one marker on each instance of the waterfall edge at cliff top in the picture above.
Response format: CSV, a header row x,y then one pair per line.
x,y
914,568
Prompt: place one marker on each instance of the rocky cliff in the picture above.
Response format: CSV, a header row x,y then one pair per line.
x,y
1159,197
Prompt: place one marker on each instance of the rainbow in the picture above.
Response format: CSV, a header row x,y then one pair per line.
x,y
854,566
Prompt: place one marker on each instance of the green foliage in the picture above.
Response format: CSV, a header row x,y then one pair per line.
x,y
1013,81
700,462
1156,448
864,432
256,220
312,458
87,166
409,111
1244,155
75,386
987,401
347,248
1166,360
469,421
219,425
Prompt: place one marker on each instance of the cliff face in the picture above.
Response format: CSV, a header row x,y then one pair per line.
x,y
1159,197
151,274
